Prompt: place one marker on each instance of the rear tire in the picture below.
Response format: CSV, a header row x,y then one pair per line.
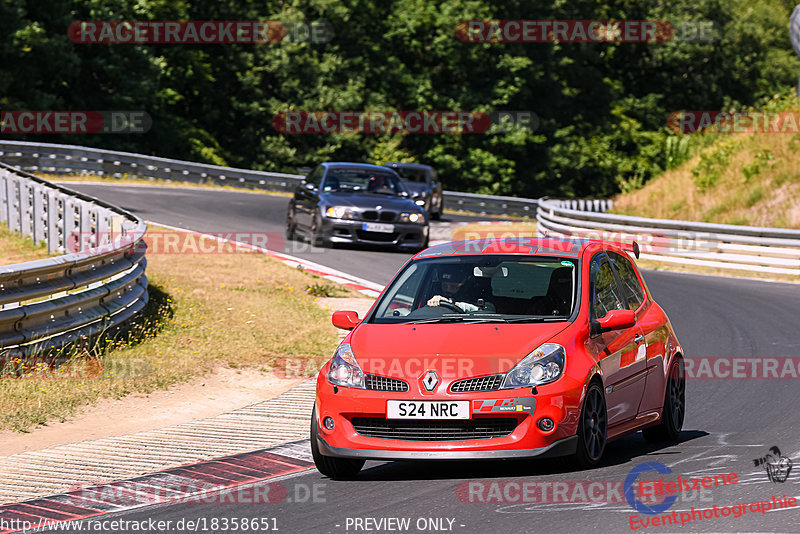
x,y
674,411
592,428
333,468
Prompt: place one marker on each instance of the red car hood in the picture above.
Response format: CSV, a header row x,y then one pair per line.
x,y
452,350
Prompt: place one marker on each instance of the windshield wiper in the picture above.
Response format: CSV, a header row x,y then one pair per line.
x,y
442,319
537,319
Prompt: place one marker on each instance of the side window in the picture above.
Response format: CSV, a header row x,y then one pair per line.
x,y
605,292
627,277
315,178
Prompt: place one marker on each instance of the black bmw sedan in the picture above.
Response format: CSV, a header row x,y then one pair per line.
x,y
356,203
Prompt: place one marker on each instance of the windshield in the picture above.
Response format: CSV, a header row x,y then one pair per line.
x,y
409,174
363,180
481,289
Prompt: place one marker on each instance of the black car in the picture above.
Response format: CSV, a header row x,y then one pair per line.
x,y
424,185
356,203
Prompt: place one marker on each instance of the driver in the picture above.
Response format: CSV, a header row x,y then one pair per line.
x,y
453,281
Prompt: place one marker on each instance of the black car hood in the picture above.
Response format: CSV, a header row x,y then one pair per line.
x,y
369,201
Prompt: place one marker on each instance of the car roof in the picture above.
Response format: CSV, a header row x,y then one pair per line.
x,y
365,166
537,246
408,165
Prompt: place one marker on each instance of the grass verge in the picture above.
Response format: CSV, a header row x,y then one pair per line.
x,y
16,249
234,309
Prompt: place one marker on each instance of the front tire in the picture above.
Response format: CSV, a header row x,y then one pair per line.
x,y
333,468
318,239
291,226
592,428
674,411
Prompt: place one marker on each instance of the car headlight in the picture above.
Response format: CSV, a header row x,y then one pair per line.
x,y
344,369
542,366
412,218
340,212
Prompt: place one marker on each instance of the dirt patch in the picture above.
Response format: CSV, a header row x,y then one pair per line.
x,y
219,392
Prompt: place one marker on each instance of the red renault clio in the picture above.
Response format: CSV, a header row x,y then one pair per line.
x,y
501,348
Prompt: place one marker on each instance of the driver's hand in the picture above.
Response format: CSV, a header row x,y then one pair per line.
x,y
435,300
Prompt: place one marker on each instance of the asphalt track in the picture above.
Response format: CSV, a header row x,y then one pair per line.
x,y
729,423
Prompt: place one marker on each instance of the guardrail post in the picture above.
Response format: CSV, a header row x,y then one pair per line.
x,y
12,196
25,209
71,225
3,196
39,216
86,236
55,219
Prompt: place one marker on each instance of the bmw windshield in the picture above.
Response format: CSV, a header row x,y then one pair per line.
x,y
481,288
358,180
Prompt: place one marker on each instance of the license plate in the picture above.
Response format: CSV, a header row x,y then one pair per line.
x,y
378,227
427,409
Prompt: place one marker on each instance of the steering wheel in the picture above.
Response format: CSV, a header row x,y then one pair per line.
x,y
450,305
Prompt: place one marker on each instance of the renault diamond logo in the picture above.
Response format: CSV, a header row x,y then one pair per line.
x,y
430,381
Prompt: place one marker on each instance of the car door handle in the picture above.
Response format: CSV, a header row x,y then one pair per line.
x,y
638,339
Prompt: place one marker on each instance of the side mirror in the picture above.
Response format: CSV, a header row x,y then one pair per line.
x,y
614,320
346,320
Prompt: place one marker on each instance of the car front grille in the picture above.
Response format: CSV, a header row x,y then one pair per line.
x,y
376,236
383,216
382,383
481,383
413,430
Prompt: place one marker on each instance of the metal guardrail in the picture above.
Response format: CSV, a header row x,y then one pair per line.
x,y
725,246
95,287
71,159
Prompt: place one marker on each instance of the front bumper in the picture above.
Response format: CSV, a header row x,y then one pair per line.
x,y
562,447
410,235
525,440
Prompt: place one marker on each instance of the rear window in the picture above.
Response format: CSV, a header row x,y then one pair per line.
x,y
412,175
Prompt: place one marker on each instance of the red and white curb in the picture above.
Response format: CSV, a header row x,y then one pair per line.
x,y
236,479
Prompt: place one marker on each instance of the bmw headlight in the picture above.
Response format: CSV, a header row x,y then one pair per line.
x,y
340,212
412,218
344,369
542,366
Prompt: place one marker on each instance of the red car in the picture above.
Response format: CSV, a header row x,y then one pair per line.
x,y
501,348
